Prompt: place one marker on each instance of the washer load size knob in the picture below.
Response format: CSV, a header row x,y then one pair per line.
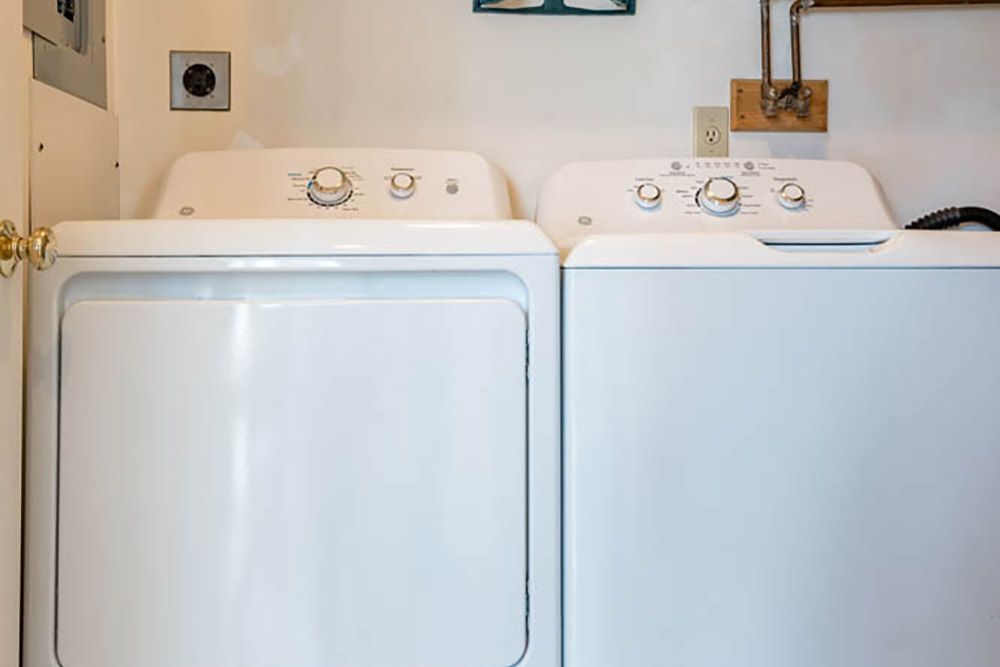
x,y
649,196
720,196
330,186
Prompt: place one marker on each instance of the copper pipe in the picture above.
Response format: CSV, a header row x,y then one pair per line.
x,y
768,93
795,19
798,95
899,3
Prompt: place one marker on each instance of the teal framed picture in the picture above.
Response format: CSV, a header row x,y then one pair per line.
x,y
593,7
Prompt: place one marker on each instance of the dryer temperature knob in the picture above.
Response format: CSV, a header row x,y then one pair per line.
x,y
403,185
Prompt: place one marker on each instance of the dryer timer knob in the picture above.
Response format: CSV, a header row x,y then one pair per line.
x,y
330,186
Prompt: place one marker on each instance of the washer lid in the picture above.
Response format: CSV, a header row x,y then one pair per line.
x,y
788,249
289,238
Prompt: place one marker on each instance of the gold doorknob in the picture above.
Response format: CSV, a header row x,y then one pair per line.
x,y
39,248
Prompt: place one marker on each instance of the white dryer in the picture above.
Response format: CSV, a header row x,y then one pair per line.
x,y
307,416
781,433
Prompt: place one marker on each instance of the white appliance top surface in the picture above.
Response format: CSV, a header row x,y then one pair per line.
x,y
591,200
782,249
378,183
297,238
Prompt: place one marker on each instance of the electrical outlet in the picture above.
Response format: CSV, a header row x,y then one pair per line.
x,y
199,80
711,132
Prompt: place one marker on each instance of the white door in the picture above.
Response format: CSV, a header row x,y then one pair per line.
x,y
13,125
293,482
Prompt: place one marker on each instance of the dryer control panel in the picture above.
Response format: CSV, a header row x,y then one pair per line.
x,y
705,195
337,184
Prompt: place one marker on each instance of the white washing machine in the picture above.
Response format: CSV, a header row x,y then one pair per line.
x,y
781,433
307,416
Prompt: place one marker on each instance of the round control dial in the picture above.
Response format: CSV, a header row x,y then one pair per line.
x,y
720,196
792,196
330,186
649,196
403,185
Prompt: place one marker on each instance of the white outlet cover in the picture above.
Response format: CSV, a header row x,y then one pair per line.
x,y
218,98
711,131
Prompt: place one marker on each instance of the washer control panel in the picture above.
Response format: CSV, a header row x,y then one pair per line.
x,y
376,184
703,195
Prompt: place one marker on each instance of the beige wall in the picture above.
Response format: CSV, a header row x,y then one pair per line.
x,y
915,94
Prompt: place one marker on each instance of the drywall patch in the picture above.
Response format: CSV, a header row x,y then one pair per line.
x,y
74,159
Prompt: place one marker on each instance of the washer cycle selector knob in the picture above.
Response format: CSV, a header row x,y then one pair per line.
x,y
649,196
330,186
403,185
720,196
792,196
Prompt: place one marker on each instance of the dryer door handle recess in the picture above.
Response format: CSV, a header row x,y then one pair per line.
x,y
39,248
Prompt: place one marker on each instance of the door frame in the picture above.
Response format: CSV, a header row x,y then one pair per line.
x,y
14,133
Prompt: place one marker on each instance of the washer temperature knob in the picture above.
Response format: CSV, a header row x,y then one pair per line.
x,y
649,196
330,186
403,185
792,196
720,196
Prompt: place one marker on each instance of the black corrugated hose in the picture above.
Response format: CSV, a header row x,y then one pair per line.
x,y
953,217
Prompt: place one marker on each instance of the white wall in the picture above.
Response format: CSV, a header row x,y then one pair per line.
x,y
915,94
13,206
74,177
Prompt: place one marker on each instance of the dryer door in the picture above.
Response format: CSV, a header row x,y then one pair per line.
x,y
314,483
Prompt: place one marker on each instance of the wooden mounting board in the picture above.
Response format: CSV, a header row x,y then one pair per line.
x,y
747,116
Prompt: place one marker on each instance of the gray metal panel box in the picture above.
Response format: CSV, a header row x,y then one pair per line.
x,y
70,50
58,21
